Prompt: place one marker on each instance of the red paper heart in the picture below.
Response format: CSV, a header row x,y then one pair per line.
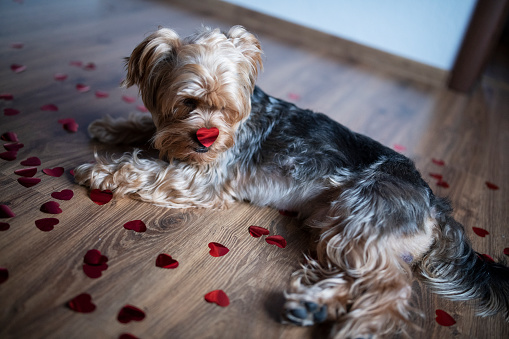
x,y
89,67
10,136
4,275
217,250
443,184
443,318
4,226
94,257
46,224
82,88
101,197
81,303
135,225
286,213
480,231
218,297
63,195
438,162
13,146
49,107
60,77
10,112
506,251
26,172
127,336
166,261
94,271
51,207
76,63
6,212
6,96
101,94
436,176
207,136
491,186
29,182
32,161
487,258
69,124
54,172
293,96
18,68
17,45
130,313
277,240
257,231
128,99
399,148
9,155
142,108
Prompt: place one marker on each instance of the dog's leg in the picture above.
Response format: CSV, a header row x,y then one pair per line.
x,y
174,185
137,128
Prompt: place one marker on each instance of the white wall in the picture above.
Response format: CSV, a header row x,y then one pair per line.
x,y
427,31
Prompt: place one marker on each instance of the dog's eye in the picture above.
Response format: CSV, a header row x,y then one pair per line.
x,y
190,103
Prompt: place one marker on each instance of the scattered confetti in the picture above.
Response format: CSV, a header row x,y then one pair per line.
x,y
51,207
443,318
46,224
81,303
76,63
480,231
277,240
166,261
69,124
18,68
63,195
286,213
4,275
6,96
4,226
54,172
207,136
135,225
257,231
436,176
17,45
438,162
506,251
293,96
82,88
101,197
399,148
14,146
6,212
9,155
142,108
26,172
130,313
101,94
60,76
127,336
49,108
29,182
90,66
491,186
32,161
217,250
217,297
94,263
10,112
487,258
443,184
10,136
128,99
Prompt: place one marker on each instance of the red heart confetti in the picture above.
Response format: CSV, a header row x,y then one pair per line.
x,y
101,94
76,63
54,172
81,303
491,186
94,257
257,231
17,45
6,212
166,261
443,318
4,275
286,213
127,336
32,161
49,107
130,313
436,176
101,197
72,172
217,250
4,226
13,146
217,297
51,207
135,225
399,148
60,76
480,231
438,162
18,68
487,258
82,88
277,240
6,96
29,182
128,99
207,136
69,124
89,67
26,172
293,96
9,155
63,195
443,184
9,136
506,251
46,224
10,112
142,108
94,272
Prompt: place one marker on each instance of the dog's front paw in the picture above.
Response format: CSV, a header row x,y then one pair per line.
x,y
304,313
95,176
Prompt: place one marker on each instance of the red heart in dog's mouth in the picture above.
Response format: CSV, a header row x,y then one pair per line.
x,y
207,136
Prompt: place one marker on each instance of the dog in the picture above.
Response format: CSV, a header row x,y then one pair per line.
x,y
224,140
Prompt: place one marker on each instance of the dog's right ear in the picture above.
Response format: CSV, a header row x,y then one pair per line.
x,y
147,57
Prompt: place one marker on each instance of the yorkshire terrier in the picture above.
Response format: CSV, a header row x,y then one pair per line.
x,y
224,140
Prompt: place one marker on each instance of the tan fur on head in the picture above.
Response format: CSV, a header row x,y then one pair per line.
x,y
205,80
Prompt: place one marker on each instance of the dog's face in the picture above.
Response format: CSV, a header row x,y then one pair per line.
x,y
203,81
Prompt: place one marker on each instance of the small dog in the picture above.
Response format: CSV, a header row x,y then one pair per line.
x,y
225,140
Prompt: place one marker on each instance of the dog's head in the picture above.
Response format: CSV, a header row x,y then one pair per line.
x,y
202,82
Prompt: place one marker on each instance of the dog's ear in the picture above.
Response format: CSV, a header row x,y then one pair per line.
x,y
161,46
249,45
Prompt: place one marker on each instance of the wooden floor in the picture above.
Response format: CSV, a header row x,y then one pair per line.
x,y
469,133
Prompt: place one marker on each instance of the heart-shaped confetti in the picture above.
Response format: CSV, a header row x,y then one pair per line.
x,y
89,67
127,336
101,197
277,240
94,271
130,313
14,146
32,161
17,45
101,94
94,257
26,172
443,318
54,172
6,212
488,258
49,108
6,96
51,207
60,77
480,231
63,195
10,136
257,231
76,63
11,111
436,176
293,96
491,186
217,250
81,303
16,68
69,124
218,297
29,182
443,184
128,99
46,224
399,148
506,251
4,275
142,108
291,214
4,226
166,261
438,162
82,88
207,136
135,225
9,155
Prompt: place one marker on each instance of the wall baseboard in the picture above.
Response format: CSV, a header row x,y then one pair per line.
x,y
332,45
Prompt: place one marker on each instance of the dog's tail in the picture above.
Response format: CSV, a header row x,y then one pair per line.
x,y
453,269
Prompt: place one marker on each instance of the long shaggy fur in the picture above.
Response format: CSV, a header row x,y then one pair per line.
x,y
378,222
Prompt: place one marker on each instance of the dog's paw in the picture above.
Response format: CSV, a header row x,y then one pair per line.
x,y
304,313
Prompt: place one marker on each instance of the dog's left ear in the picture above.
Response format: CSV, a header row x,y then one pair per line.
x,y
249,45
